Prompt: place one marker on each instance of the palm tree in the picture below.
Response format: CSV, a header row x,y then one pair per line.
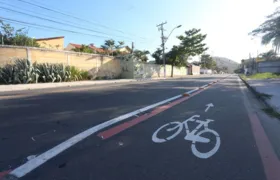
x,y
141,55
120,44
109,46
270,55
270,31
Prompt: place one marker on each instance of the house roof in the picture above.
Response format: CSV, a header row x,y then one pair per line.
x,y
50,38
97,49
90,46
76,45
126,47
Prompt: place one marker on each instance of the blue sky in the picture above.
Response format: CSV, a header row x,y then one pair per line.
x,y
226,22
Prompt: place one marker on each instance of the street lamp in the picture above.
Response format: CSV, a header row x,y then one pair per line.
x,y
172,32
163,49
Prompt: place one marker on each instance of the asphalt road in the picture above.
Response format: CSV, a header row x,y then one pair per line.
x,y
222,143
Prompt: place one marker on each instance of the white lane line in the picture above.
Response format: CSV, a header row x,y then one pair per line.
x,y
192,91
44,157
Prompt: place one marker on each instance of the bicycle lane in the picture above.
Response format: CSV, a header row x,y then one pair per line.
x,y
132,154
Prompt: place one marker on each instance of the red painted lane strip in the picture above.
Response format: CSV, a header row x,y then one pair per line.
x,y
117,129
4,173
269,158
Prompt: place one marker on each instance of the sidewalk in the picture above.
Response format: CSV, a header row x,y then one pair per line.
x,y
269,87
22,87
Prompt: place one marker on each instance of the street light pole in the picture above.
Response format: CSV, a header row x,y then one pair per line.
x,y
163,46
164,40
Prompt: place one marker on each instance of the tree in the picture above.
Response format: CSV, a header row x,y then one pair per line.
x,y
84,49
15,37
116,51
196,63
270,31
141,55
225,69
192,42
176,57
191,45
119,45
109,46
208,62
158,56
270,55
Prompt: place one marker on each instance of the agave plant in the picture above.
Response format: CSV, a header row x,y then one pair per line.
x,y
46,72
7,74
25,72
22,71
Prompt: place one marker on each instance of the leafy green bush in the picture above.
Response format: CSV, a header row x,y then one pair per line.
x,y
85,75
75,73
23,72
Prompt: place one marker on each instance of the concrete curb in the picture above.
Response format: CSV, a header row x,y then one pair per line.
x,y
256,93
23,87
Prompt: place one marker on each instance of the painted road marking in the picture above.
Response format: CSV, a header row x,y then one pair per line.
x,y
117,129
193,135
4,173
44,157
269,159
209,106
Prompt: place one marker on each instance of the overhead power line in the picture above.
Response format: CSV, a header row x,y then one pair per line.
x,y
58,22
37,13
50,27
23,9
65,14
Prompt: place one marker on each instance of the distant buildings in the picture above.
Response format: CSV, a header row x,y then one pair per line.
x,y
51,42
95,49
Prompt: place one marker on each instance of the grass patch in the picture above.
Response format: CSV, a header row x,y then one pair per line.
x,y
271,112
243,76
262,76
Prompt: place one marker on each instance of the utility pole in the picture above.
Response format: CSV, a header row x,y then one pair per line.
x,y
132,47
160,28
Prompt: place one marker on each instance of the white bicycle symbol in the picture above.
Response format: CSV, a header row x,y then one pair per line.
x,y
177,127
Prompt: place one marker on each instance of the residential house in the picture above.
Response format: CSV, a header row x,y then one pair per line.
x,y
51,42
125,50
72,46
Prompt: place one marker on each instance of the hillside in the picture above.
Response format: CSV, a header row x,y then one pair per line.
x,y
225,62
